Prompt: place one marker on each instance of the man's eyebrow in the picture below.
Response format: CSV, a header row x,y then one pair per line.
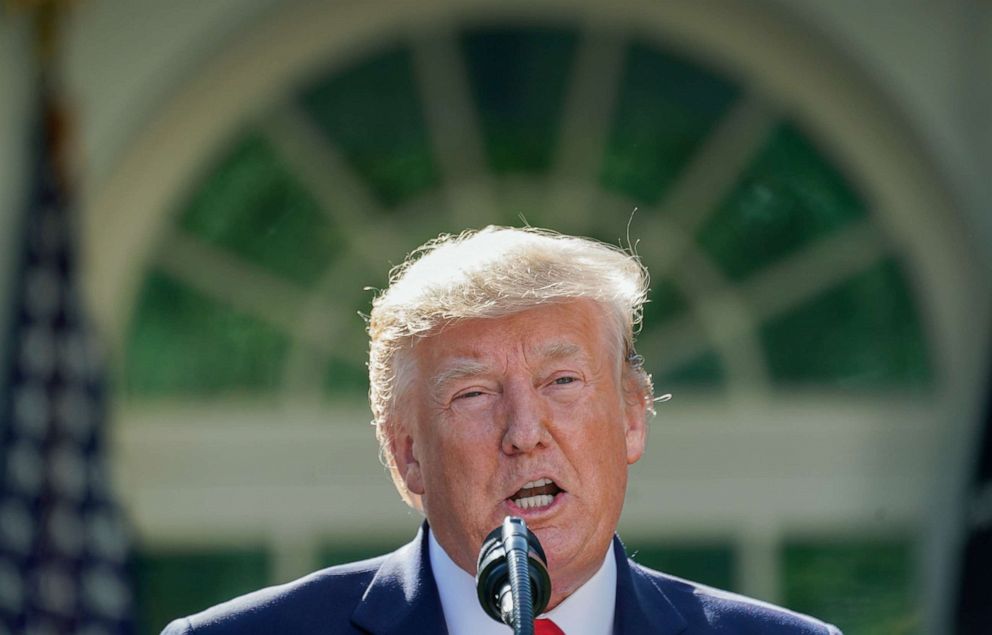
x,y
463,368
559,350
459,369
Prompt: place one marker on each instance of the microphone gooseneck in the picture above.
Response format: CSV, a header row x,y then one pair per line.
x,y
515,546
512,579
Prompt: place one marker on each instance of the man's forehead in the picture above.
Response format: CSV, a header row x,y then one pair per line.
x,y
471,360
548,332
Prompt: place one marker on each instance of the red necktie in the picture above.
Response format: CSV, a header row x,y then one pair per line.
x,y
546,627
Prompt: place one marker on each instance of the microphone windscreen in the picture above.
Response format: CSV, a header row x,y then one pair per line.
x,y
493,574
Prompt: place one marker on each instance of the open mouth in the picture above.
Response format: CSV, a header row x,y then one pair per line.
x,y
539,493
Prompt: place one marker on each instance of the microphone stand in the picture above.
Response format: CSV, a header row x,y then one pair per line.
x,y
515,546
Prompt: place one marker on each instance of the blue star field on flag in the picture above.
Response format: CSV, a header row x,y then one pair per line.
x,y
63,544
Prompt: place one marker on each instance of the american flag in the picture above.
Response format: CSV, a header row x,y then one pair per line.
x,y
63,546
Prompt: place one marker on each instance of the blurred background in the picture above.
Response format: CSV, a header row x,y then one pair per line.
x,y
811,185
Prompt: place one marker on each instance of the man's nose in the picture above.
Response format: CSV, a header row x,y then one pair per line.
x,y
527,419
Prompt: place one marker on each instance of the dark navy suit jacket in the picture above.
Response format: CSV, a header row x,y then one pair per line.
x,y
396,594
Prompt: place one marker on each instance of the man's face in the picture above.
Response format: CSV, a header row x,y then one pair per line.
x,y
535,399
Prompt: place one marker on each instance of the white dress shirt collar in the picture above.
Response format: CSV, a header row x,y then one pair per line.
x,y
588,611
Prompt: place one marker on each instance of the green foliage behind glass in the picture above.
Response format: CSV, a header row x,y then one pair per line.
x,y
341,552
518,78
172,584
787,198
372,113
253,207
182,342
864,587
862,333
665,109
707,563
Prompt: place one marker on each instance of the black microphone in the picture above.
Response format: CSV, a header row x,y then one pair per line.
x,y
512,579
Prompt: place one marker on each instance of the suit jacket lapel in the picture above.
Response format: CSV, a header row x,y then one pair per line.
x,y
403,597
642,607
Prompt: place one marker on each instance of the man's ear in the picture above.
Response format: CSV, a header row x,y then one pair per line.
x,y
407,464
636,405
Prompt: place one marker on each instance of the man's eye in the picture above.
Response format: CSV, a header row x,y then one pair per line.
x,y
472,393
565,380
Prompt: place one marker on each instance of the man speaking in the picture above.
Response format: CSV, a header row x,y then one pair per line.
x,y
504,382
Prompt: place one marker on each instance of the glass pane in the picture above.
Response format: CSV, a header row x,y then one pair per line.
x,y
372,114
705,370
665,302
665,108
342,552
251,205
711,564
183,342
518,79
863,587
174,584
863,333
789,197
346,376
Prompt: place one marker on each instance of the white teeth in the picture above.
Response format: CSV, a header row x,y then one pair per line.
x,y
538,483
540,500
530,502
